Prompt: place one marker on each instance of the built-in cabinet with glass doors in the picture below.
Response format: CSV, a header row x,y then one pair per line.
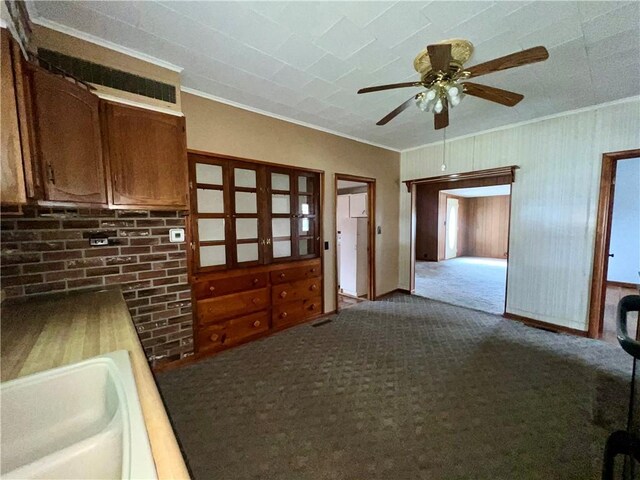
x,y
253,225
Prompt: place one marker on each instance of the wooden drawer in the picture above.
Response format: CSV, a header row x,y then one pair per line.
x,y
234,305
287,275
300,290
296,311
231,332
230,284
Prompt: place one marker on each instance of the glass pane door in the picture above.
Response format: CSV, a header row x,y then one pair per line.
x,y
210,226
281,212
246,220
307,237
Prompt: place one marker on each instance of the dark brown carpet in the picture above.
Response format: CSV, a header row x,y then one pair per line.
x,y
404,388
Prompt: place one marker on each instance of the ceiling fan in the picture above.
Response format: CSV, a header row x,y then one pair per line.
x,y
443,75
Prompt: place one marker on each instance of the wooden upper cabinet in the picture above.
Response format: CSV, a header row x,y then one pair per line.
x,y
66,128
147,157
12,184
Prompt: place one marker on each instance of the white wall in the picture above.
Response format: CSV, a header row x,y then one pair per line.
x,y
554,202
625,224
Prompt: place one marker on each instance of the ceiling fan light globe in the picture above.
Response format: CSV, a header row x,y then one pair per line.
x,y
455,100
438,106
431,94
453,91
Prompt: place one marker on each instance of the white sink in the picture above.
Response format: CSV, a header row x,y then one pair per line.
x,y
80,421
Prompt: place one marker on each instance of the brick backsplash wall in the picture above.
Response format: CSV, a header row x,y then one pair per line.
x,y
47,250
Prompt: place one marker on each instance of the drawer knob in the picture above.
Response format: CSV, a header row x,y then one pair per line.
x,y
313,270
255,281
255,301
214,337
313,287
282,275
256,323
283,294
312,306
283,315
211,289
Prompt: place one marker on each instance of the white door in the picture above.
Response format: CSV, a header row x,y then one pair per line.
x,y
451,235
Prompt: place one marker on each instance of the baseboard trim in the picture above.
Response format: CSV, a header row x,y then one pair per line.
x,y
545,325
391,292
623,284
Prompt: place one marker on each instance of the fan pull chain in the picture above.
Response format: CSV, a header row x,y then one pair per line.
x,y
443,167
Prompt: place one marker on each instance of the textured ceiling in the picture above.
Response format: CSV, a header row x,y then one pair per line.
x,y
306,60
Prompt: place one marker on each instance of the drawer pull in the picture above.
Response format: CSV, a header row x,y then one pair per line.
x,y
283,294
214,337
255,281
313,270
313,287
255,301
282,275
211,289
256,323
283,315
312,306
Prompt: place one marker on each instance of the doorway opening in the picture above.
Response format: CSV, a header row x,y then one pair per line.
x,y
355,240
616,261
472,237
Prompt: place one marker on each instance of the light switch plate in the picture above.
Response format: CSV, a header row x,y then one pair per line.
x,y
176,235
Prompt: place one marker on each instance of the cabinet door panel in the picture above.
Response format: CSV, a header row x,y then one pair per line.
x,y
68,144
12,186
147,157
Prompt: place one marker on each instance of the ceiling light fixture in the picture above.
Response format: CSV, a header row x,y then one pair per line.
x,y
444,93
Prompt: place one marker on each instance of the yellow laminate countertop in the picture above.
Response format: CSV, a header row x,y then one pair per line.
x,y
49,332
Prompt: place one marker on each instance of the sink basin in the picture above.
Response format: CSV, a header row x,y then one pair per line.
x,y
79,421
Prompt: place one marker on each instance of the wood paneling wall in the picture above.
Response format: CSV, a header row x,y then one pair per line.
x,y
485,227
428,221
553,201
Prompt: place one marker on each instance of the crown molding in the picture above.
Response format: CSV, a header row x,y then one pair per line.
x,y
528,122
208,96
87,37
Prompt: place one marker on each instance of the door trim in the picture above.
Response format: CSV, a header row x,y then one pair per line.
x,y
371,224
603,237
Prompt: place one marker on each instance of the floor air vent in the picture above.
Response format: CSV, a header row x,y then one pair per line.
x,y
109,77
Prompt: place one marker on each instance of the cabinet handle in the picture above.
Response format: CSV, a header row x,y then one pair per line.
x,y
313,287
211,289
313,270
256,323
255,301
283,315
255,281
312,306
50,174
283,294
282,275
214,337
268,241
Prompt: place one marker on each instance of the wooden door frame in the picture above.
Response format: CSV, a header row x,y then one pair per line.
x,y
449,182
603,238
371,228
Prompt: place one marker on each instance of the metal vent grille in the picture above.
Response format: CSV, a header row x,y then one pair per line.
x,y
109,77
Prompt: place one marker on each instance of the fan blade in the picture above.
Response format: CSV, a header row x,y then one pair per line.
x,y
390,86
397,111
525,57
504,97
440,56
441,120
